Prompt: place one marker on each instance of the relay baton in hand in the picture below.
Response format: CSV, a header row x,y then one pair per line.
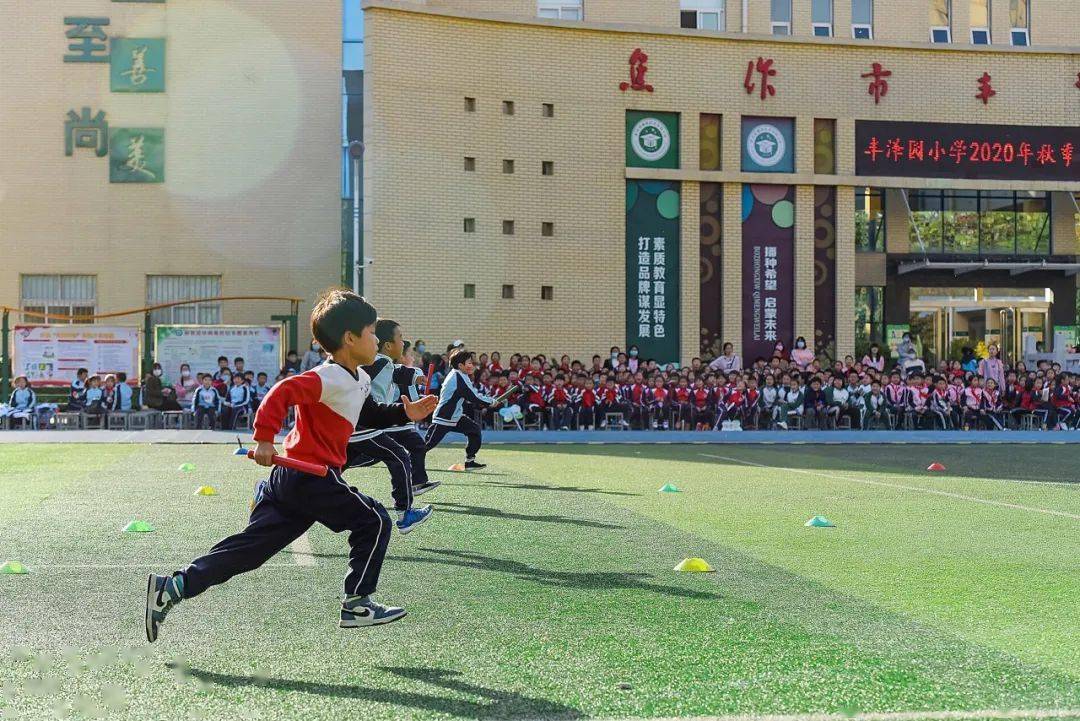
x,y
430,373
509,392
315,469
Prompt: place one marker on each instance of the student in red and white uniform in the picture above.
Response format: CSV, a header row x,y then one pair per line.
x,y
972,404
658,404
608,401
558,402
637,396
993,415
919,400
681,406
702,400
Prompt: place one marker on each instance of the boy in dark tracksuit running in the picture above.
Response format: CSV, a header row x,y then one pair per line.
x,y
457,390
329,401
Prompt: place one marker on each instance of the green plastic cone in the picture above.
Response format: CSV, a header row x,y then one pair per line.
x,y
820,522
669,488
186,467
137,526
14,568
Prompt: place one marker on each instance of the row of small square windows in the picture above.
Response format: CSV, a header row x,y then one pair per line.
x,y
547,292
547,110
547,167
547,228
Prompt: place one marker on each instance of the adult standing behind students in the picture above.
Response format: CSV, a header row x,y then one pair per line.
x,y
802,356
313,358
728,361
992,368
874,359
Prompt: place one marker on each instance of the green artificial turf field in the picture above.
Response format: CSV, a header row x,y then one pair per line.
x,y
544,587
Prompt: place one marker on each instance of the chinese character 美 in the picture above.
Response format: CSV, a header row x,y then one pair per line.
x,y
644,315
86,31
894,150
659,258
658,243
985,90
638,68
643,301
644,330
139,72
643,243
136,157
1046,154
658,272
767,71
879,86
86,131
770,251
1067,154
659,332
643,286
644,258
873,149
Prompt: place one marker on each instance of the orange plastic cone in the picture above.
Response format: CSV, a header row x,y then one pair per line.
x,y
935,466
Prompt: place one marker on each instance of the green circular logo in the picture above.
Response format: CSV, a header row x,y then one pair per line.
x,y
650,139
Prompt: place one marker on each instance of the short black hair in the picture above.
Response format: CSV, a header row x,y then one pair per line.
x,y
77,373
222,358
338,311
384,330
262,374
238,359
120,377
459,358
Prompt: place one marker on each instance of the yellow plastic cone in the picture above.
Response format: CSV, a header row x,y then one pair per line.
x,y
457,467
694,565
206,491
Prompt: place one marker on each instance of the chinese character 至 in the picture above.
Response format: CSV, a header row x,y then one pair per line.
x,y
873,149
86,31
985,90
638,68
1046,154
879,86
136,158
86,131
767,71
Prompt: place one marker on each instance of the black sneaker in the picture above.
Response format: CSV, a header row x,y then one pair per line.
x,y
473,465
420,489
162,593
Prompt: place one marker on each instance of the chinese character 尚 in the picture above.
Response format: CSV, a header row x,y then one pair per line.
x,y
879,86
136,157
767,71
638,68
985,90
86,31
86,131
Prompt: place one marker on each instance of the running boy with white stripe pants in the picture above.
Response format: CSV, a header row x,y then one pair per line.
x,y
330,401
457,391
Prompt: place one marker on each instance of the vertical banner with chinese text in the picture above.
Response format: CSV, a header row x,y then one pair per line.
x,y
652,268
768,268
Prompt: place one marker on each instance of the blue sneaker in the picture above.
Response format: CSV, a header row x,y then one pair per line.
x,y
412,518
162,593
357,611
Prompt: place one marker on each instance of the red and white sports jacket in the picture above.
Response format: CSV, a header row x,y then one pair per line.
x,y
330,404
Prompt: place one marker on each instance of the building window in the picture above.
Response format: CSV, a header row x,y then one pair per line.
x,y
470,290
547,110
980,22
862,19
559,9
508,292
870,220
869,318
508,107
170,288
781,17
1020,18
547,167
68,295
702,14
508,167
508,227
469,226
470,105
941,21
352,36
470,164
547,292
980,222
821,18
547,229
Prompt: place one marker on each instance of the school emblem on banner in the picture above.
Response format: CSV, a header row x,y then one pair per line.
x,y
652,139
768,145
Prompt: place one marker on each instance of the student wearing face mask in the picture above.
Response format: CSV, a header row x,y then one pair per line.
x,y
152,395
802,356
632,362
612,363
313,358
186,385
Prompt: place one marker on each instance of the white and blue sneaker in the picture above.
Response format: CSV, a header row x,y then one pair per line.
x,y
420,489
357,611
413,517
162,593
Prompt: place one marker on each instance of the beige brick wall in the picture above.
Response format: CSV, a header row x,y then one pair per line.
x,y
417,193
252,141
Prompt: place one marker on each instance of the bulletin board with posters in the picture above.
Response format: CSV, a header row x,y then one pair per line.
x,y
894,333
200,346
51,355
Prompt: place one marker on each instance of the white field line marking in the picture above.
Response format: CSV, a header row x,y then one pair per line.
x,y
301,551
894,716
77,566
917,489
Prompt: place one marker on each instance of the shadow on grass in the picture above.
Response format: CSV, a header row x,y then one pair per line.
x,y
547,487
492,703
487,512
591,581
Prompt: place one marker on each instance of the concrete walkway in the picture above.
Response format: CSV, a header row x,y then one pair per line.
x,y
592,437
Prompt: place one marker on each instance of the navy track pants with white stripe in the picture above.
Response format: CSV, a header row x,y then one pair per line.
x,y
291,502
383,449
